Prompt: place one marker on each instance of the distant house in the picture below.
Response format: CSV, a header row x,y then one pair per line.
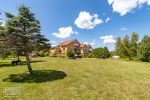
x,y
74,45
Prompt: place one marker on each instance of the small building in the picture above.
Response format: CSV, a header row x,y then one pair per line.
x,y
74,45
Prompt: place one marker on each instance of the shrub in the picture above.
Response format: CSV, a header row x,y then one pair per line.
x,y
70,54
53,55
101,53
88,55
46,54
41,53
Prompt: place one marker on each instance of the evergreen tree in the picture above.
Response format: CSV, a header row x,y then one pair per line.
x,y
23,32
4,51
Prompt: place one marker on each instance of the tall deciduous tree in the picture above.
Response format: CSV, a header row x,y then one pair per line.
x,y
144,49
23,32
126,45
118,48
133,45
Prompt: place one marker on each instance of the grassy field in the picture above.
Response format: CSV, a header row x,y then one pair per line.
x,y
80,79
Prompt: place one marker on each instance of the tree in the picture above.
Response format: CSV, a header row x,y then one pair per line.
x,y
133,45
144,49
119,49
23,32
4,51
126,46
106,53
101,53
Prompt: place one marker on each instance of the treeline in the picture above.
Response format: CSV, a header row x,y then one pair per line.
x,y
133,48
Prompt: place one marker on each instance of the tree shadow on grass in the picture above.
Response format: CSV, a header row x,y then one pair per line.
x,y
38,76
22,63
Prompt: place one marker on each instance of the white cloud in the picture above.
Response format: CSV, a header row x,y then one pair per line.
x,y
86,42
64,32
108,39
54,45
91,43
125,6
52,41
123,29
107,19
87,21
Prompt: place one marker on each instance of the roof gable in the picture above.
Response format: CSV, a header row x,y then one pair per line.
x,y
65,43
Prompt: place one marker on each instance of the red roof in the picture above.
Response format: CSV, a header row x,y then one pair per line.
x,y
83,45
66,42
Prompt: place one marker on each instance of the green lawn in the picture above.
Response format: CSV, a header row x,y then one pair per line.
x,y
80,79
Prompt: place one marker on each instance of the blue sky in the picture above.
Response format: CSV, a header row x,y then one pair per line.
x,y
97,22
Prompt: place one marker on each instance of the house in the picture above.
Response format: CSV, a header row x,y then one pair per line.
x,y
73,45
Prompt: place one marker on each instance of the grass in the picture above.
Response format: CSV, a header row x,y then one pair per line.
x,y
80,79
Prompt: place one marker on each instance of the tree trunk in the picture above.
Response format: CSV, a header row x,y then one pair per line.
x,y
18,58
28,63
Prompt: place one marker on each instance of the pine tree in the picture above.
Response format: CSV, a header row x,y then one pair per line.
x,y
23,33
4,51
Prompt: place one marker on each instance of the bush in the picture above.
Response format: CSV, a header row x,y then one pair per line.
x,y
53,55
101,53
88,55
70,54
46,54
41,54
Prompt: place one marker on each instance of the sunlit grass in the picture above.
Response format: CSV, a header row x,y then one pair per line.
x,y
79,79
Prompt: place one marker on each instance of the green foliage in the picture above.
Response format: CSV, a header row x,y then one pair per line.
x,y
53,55
46,54
88,55
41,54
119,49
23,31
144,49
70,53
133,45
127,47
4,53
101,53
